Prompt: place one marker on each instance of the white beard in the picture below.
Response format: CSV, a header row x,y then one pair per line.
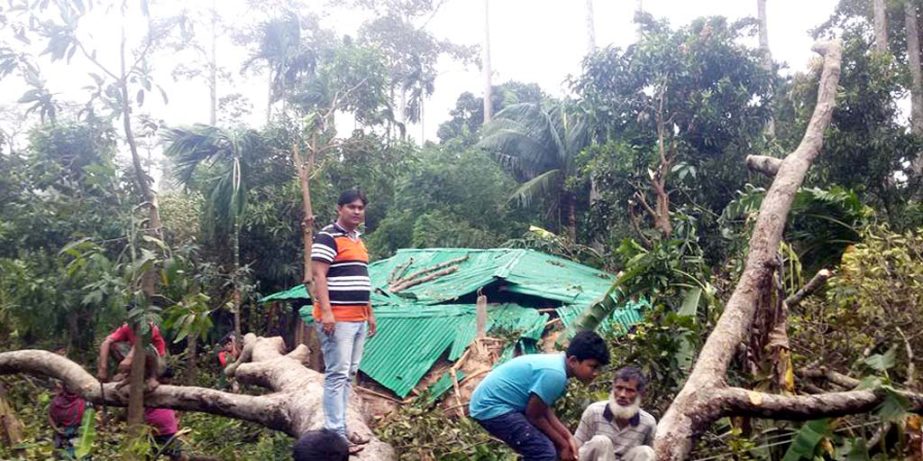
x,y
626,412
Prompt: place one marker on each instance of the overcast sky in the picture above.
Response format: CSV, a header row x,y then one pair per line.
x,y
541,41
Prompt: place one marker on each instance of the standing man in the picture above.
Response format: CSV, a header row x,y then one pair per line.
x,y
342,311
618,429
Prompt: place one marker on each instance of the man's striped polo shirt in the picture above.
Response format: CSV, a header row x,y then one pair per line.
x,y
348,283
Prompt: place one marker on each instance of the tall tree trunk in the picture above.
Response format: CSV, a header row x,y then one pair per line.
x,y
571,216
213,69
149,278
305,168
488,78
590,28
235,277
269,97
913,58
770,128
192,349
880,21
916,77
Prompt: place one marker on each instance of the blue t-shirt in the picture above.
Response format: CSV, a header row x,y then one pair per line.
x,y
506,389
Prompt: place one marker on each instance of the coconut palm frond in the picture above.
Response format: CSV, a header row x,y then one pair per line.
x,y
543,185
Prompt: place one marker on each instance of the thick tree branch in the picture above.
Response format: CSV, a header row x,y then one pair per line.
x,y
766,165
745,402
693,409
262,410
293,406
816,282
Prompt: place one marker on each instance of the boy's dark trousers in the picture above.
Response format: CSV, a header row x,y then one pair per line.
x,y
519,434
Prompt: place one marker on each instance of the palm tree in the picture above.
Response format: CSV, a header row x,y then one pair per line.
x,y
539,147
287,53
226,157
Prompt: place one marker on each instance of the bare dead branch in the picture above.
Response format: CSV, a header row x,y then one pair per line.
x,y
911,370
829,375
813,285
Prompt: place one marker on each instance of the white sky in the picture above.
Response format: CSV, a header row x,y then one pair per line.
x,y
541,41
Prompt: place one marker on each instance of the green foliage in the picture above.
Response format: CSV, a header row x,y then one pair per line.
x,y
700,81
808,440
539,147
448,199
87,434
418,432
467,117
867,144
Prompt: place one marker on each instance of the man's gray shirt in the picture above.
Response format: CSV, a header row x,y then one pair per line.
x,y
598,420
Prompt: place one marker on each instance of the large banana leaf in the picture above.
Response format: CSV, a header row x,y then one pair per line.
x,y
87,434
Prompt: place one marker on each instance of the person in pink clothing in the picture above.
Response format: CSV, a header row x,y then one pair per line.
x,y
164,426
65,413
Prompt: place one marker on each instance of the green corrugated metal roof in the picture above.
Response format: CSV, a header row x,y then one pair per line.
x,y
418,325
443,384
524,271
411,337
619,322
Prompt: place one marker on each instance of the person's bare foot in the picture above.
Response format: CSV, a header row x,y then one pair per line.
x,y
355,449
151,384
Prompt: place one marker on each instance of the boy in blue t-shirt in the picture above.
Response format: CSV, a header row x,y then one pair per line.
x,y
514,401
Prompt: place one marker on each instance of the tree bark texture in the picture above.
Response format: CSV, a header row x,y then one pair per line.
x,y
764,164
305,168
590,28
880,22
916,78
704,396
149,278
770,128
293,406
488,78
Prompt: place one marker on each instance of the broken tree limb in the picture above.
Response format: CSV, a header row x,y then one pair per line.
x,y
414,282
764,164
816,282
293,406
745,402
697,404
831,376
420,276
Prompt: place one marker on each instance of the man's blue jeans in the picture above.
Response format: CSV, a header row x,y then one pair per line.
x,y
519,434
342,352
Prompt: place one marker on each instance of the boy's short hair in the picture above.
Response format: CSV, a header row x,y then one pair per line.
x,y
588,345
351,195
631,373
322,445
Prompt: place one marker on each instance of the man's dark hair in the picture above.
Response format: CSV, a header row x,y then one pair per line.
x,y
351,195
631,374
588,345
322,445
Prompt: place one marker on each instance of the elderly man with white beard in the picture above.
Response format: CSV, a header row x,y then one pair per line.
x,y
618,429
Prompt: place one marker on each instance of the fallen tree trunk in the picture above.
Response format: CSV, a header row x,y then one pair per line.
x,y
706,397
293,406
